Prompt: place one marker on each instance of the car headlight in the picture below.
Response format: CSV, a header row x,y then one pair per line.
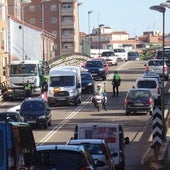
x,y
89,84
41,117
101,69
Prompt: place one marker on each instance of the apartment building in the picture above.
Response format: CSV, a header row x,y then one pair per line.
x,y
4,59
59,17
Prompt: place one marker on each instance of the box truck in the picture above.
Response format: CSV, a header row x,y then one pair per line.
x,y
112,133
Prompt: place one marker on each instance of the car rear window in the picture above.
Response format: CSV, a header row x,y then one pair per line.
x,y
155,63
94,64
33,105
86,77
146,84
1,148
108,53
61,159
138,94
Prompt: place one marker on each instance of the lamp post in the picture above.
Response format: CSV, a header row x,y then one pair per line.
x,y
89,12
23,3
100,27
162,10
43,26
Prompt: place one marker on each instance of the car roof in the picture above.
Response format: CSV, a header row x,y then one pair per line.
x,y
76,148
91,141
34,99
139,89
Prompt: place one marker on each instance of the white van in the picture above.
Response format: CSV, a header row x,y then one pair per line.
x,y
112,133
121,53
64,85
150,83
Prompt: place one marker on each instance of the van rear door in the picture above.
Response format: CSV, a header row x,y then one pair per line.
x,y
3,154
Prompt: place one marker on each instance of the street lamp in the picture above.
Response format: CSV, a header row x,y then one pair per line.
x,y
23,3
162,10
43,26
89,12
165,4
100,27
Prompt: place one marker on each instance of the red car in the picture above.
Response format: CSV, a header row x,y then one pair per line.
x,y
106,65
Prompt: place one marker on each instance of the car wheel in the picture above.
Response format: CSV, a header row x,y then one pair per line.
x,y
150,112
46,125
127,113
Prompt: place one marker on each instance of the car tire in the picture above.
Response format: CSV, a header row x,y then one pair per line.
x,y
127,113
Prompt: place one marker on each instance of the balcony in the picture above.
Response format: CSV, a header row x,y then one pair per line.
x,y
67,12
67,38
67,25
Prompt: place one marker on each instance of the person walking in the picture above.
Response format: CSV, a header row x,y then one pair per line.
x,y
116,83
28,89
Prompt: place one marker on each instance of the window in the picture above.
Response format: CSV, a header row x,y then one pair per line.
x,y
32,21
54,20
31,8
66,6
53,7
1,148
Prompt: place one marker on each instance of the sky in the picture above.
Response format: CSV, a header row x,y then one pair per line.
x,y
132,16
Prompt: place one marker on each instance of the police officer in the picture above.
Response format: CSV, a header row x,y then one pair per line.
x,y
116,83
28,89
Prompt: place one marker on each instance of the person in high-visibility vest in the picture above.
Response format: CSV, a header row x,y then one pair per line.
x,y
28,89
116,83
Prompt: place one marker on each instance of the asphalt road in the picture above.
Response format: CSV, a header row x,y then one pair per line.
x,y
137,127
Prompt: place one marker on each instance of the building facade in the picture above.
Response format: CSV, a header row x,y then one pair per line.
x,y
59,17
4,59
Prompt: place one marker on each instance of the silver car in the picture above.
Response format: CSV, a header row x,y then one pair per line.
x,y
157,66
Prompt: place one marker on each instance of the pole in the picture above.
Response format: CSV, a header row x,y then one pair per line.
x,y
89,12
43,30
163,88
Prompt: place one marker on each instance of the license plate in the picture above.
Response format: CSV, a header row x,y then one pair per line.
x,y
139,104
31,121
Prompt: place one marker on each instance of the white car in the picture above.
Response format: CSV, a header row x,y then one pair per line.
x,y
110,57
98,149
121,54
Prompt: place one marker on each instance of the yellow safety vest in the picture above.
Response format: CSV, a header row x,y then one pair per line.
x,y
28,87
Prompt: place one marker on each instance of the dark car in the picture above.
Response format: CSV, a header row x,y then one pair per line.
x,y
36,111
87,82
64,157
139,101
132,55
11,116
96,68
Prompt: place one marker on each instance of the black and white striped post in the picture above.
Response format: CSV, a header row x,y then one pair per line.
x,y
157,130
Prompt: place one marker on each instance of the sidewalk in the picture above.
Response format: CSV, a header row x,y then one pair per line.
x,y
163,162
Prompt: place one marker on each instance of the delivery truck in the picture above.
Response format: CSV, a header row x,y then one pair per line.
x,y
112,133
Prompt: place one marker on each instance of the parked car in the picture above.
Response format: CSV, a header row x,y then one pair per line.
x,y
151,84
157,66
110,57
87,82
96,68
64,157
133,55
11,116
98,149
36,111
139,101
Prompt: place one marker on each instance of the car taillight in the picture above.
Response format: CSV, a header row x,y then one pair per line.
x,y
159,91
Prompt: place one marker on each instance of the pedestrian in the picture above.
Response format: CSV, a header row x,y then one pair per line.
x,y
116,83
45,85
28,89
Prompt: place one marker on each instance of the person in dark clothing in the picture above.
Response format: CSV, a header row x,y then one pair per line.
x,y
45,85
116,83
28,89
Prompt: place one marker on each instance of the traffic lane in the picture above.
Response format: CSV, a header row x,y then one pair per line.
x,y
64,114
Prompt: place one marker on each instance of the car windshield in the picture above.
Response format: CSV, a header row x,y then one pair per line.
x,y
94,149
94,64
146,84
86,77
33,106
61,159
138,94
62,81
